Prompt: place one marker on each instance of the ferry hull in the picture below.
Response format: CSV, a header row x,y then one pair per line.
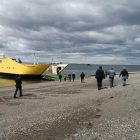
x,y
13,76
11,68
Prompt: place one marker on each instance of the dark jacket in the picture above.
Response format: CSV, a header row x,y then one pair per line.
x,y
100,74
73,75
124,73
18,81
82,75
60,76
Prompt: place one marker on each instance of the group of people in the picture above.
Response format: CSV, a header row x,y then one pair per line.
x,y
100,75
71,77
17,60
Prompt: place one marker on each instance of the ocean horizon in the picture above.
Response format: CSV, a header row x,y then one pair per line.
x,y
90,69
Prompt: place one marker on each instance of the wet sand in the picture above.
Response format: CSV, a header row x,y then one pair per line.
x,y
71,111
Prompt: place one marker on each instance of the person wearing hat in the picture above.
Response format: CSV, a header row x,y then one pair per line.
x,y
124,75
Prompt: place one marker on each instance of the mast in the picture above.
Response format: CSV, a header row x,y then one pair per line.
x,y
34,58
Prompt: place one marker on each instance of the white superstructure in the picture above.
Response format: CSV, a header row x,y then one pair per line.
x,y
56,68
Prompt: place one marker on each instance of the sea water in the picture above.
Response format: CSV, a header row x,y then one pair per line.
x,y
90,69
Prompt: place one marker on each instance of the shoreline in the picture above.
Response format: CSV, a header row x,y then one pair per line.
x,y
65,110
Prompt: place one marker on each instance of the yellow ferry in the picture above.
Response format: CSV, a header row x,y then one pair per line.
x,y
10,66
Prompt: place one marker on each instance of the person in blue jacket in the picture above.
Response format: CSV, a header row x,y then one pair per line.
x,y
111,73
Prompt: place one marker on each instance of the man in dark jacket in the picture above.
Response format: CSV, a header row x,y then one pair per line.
x,y
82,75
99,76
124,75
73,76
18,86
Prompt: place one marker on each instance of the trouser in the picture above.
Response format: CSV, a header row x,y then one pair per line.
x,y
20,91
73,79
123,80
99,83
82,80
69,79
111,81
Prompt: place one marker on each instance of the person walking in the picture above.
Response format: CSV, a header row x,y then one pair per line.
x,y
65,78
69,77
82,75
18,85
99,75
73,76
60,77
124,75
111,73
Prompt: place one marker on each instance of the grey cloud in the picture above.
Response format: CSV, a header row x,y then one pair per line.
x,y
72,29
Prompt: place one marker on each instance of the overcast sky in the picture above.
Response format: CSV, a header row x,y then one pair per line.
x,y
72,31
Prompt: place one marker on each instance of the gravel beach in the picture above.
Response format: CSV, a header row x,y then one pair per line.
x,y
72,111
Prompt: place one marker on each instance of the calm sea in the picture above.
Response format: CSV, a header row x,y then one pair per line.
x,y
88,69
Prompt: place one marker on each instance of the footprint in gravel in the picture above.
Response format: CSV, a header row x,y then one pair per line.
x,y
97,116
98,110
111,97
99,104
89,125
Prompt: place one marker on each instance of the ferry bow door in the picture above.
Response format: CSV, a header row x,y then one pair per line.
x,y
58,69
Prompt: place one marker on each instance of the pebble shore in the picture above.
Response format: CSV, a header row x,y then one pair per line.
x,y
72,111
